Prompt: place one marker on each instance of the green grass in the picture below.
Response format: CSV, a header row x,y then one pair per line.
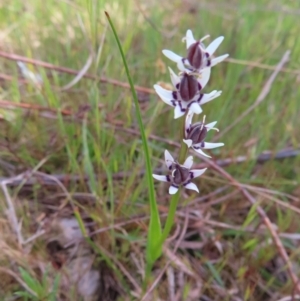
x,y
100,142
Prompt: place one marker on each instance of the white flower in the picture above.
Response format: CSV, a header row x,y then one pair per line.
x,y
179,174
195,135
180,97
198,56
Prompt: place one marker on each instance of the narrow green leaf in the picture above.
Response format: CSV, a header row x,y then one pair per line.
x,y
29,280
215,273
23,294
154,234
250,244
88,167
80,222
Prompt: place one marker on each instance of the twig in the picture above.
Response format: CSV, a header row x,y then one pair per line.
x,y
171,282
263,157
44,179
80,74
11,78
121,268
34,236
10,104
15,57
264,92
21,179
290,298
261,66
11,212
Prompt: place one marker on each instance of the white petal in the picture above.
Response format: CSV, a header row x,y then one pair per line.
x,y
188,162
189,38
191,186
174,78
188,121
195,108
198,172
160,178
208,97
209,126
178,112
173,190
171,55
163,92
168,159
188,142
181,67
211,48
165,95
199,151
204,77
218,59
209,145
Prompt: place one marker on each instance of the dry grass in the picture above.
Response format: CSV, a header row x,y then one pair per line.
x,y
237,240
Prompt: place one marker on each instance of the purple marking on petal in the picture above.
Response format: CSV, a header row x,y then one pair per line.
x,y
207,54
168,177
176,186
188,182
202,144
189,105
191,175
181,108
174,94
200,97
173,102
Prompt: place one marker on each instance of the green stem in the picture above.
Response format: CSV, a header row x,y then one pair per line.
x,y
175,198
170,217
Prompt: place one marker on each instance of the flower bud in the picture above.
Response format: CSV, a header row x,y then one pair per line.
x,y
188,87
195,55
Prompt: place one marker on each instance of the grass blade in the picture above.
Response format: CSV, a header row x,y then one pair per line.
x,y
154,232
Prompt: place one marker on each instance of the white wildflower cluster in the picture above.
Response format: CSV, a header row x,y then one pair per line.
x,y
187,99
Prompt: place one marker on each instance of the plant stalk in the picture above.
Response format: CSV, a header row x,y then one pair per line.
x,y
175,198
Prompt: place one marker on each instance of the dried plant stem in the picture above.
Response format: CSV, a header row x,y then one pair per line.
x,y
15,57
11,212
264,92
265,220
